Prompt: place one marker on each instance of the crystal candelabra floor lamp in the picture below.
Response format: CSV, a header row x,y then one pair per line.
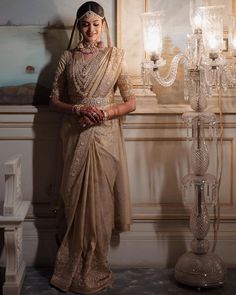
x,y
205,70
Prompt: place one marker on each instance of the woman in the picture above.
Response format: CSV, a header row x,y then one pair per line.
x,y
95,181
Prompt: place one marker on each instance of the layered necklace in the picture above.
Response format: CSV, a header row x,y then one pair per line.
x,y
84,70
89,48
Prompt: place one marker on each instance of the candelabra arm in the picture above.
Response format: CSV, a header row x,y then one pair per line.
x,y
169,79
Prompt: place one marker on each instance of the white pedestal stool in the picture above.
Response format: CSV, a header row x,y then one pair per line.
x,y
14,213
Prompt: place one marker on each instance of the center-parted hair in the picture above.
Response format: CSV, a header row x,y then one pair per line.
x,y
90,6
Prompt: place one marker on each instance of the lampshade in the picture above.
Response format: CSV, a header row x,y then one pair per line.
x,y
212,28
152,33
195,13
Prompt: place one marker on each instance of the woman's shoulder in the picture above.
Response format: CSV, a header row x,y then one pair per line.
x,y
66,54
117,51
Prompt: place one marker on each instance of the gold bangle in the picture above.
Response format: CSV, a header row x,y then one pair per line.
x,y
76,109
106,115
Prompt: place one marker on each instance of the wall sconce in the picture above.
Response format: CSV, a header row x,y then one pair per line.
x,y
205,70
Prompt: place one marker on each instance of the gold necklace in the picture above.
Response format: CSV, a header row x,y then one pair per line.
x,y
89,48
83,71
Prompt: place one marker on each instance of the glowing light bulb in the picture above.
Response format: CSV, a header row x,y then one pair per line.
x,y
197,21
234,43
152,33
212,28
213,43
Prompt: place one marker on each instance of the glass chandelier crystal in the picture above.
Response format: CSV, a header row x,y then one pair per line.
x,y
205,70
152,27
195,14
212,29
203,58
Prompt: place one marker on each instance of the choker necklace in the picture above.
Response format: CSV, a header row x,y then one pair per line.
x,y
89,48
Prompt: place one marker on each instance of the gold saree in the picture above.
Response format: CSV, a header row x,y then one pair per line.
x,y
94,184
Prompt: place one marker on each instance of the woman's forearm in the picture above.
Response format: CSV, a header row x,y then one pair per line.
x,y
120,109
113,111
60,106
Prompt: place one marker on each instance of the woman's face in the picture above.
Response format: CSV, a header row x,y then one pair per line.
x,y
91,29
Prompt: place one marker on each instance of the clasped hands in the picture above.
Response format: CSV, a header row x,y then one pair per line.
x,y
90,115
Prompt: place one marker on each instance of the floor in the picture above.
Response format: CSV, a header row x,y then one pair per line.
x,y
133,281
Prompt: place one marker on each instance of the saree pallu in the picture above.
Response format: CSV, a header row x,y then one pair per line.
x,y
95,191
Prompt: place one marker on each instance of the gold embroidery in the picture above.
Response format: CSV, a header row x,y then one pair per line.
x,y
58,87
83,72
112,73
95,180
124,83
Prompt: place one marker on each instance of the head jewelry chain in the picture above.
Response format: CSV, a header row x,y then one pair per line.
x,y
89,15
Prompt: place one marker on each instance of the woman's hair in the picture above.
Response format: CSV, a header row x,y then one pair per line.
x,y
90,6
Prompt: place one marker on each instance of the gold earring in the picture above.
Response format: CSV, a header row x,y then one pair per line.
x,y
81,37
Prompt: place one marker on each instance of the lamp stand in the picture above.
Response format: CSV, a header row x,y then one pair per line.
x,y
200,267
205,69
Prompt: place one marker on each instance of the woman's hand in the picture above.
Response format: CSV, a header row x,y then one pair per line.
x,y
85,122
91,114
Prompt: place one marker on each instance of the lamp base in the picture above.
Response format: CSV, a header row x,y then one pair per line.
x,y
200,270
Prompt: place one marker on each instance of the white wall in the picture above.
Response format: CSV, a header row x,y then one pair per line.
x,y
34,12
157,159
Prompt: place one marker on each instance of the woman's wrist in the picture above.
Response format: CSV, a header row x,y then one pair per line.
x,y
76,109
106,115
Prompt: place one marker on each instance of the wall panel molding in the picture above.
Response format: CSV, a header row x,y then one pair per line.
x,y
157,158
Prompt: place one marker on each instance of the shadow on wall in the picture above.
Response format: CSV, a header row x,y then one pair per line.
x,y
2,269
1,246
53,40
56,40
171,168
46,149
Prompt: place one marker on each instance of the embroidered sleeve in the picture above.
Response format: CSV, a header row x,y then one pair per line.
x,y
124,82
59,83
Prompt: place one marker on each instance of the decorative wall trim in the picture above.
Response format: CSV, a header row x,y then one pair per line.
x,y
160,231
152,243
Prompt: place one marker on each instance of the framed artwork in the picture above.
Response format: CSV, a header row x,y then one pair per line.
x,y
31,44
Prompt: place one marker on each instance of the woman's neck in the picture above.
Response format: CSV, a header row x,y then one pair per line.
x,y
89,47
